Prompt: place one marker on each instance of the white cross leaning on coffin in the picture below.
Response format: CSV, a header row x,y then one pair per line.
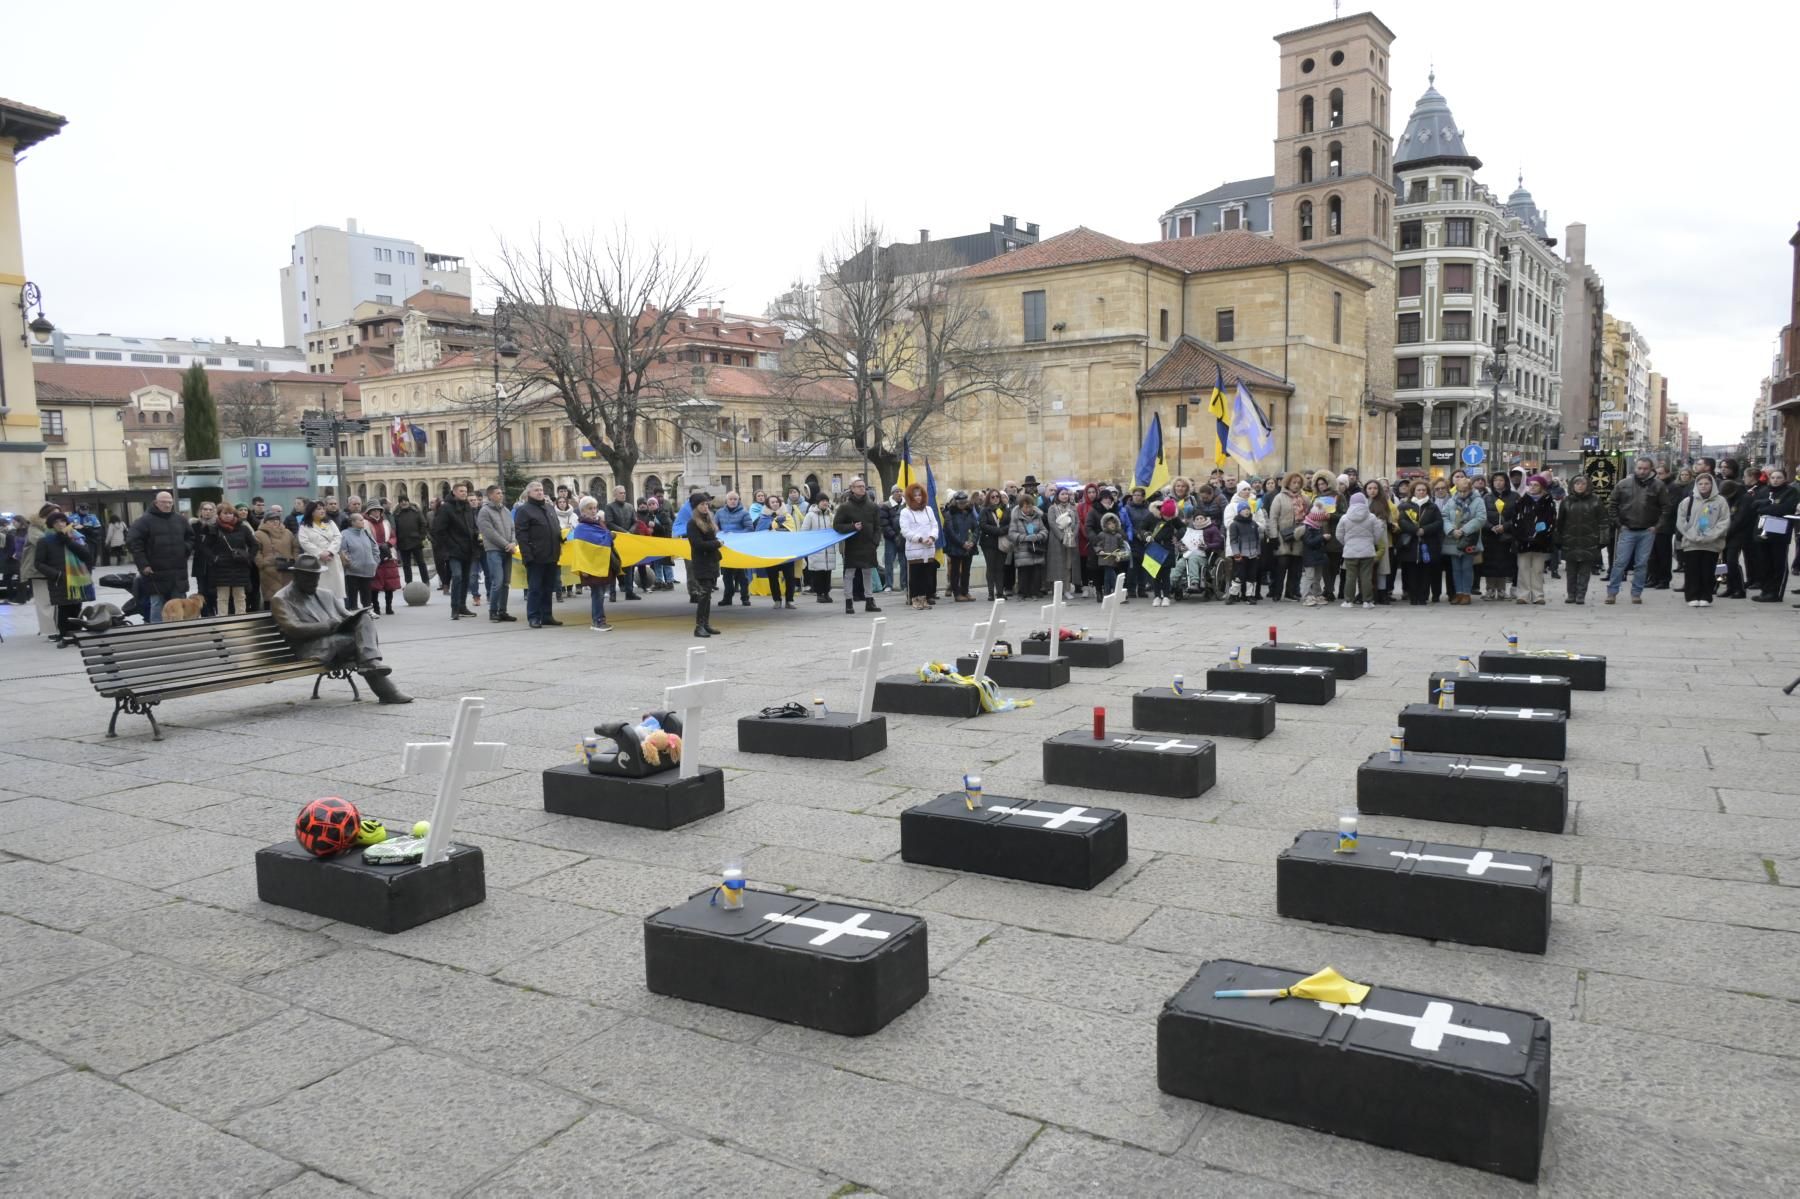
x,y
1429,1030
870,659
1052,612
1109,608
1520,713
688,699
452,761
1051,819
831,930
1512,772
1234,696
1159,746
1291,669
1478,865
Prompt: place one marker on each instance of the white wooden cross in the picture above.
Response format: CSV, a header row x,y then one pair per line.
x,y
1052,612
1234,696
871,658
1051,819
1292,669
1478,865
686,698
1158,746
989,631
1109,607
1429,1030
1512,772
850,926
1519,713
451,761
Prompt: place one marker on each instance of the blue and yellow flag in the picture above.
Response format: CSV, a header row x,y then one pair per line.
x,y
1152,473
1215,404
1252,437
931,502
741,551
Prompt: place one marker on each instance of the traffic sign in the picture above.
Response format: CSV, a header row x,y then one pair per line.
x,y
1473,455
263,449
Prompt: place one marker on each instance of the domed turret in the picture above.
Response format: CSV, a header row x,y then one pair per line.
x,y
1432,137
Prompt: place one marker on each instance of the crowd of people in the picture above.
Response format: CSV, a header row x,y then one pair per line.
x,y
1311,537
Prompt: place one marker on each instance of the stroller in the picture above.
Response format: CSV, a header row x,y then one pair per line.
x,y
1204,576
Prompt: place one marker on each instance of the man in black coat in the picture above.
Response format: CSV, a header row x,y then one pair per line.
x,y
621,517
1774,509
160,541
860,516
453,535
1662,545
539,537
409,538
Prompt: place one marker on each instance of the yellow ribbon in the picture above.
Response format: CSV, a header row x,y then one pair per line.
x,y
991,699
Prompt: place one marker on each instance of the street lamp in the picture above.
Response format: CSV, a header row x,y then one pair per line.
x,y
1496,373
38,327
504,347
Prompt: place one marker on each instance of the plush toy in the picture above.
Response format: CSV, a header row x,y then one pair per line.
x,y
649,746
660,744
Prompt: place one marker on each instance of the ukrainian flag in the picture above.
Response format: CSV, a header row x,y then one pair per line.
x,y
1215,404
1152,473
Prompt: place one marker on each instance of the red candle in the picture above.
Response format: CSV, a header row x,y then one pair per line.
x,y
1271,634
1099,724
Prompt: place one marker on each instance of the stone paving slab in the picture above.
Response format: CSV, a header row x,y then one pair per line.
x,y
149,1000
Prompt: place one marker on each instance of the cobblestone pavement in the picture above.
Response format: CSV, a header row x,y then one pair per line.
x,y
162,1032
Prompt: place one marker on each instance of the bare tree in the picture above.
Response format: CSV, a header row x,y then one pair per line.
x,y
593,325
248,408
888,340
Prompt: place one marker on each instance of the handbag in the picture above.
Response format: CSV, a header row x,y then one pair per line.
x,y
1005,544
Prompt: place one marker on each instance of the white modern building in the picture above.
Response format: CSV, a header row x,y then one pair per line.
x,y
330,271
106,349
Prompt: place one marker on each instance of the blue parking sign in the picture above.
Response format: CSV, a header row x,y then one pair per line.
x,y
262,449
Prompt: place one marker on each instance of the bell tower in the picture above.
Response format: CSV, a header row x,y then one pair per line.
x,y
1334,190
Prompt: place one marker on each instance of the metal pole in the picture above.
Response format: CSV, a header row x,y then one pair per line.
x,y
737,468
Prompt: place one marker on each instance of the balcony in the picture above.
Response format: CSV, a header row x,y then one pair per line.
x,y
803,449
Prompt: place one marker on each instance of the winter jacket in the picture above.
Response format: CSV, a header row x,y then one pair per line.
x,y
1137,518
1533,523
1677,493
409,528
565,517
1096,517
276,549
1782,502
1312,547
357,547
1703,523
1637,505
864,547
387,564
1243,531
1421,532
1359,531
993,527
890,523
203,551
919,533
1026,530
621,515
454,536
818,518
1464,519
538,533
495,524
233,554
1064,524
962,531
1285,515
160,542
703,552
52,564
326,542
1582,526
731,520
1108,541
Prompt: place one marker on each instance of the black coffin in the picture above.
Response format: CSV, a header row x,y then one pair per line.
x,y
661,801
388,899
835,736
1506,690
771,958
1418,889
1131,761
1345,661
1033,674
1478,728
1469,1084
906,693
1288,684
1585,672
1463,790
1215,713
1093,652
1061,845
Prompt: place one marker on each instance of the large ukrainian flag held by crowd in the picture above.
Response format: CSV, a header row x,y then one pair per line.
x,y
592,550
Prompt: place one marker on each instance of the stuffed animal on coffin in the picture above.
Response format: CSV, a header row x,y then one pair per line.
x,y
638,750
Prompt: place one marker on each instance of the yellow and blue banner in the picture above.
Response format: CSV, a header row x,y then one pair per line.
x,y
1252,437
1215,404
1152,473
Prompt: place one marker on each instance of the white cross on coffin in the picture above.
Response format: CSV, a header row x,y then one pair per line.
x,y
989,631
870,659
1234,696
1512,772
1429,1030
1052,612
830,930
1109,607
1158,746
451,761
1519,713
1478,865
1051,819
1291,669
687,699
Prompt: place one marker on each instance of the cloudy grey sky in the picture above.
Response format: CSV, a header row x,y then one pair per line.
x,y
203,136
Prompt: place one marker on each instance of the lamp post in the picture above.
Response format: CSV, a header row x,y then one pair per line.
x,y
39,327
1496,372
504,347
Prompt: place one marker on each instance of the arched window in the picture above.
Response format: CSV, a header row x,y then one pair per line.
x,y
362,490
1306,114
1334,109
381,491
1306,164
1334,216
1334,160
1306,228
597,488
652,484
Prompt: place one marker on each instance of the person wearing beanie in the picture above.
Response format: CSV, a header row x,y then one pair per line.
x,y
1312,551
1359,531
1533,519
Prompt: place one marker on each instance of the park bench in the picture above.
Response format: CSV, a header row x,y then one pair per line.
x,y
140,666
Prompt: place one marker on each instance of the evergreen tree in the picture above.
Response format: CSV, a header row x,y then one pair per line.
x,y
513,480
200,417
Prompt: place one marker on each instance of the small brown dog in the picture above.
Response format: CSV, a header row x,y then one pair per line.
x,y
185,608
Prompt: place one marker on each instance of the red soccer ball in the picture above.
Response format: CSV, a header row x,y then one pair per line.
x,y
327,826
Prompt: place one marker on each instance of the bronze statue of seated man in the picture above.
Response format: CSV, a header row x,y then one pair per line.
x,y
321,628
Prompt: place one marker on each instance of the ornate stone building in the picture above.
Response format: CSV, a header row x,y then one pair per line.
x,y
1475,277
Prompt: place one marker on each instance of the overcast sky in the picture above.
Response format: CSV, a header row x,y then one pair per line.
x,y
202,137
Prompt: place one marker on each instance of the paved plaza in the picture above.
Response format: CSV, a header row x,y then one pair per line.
x,y
162,1032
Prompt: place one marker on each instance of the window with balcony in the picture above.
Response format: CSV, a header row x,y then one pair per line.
x,y
50,422
1406,374
1456,326
1456,372
1459,231
462,445
1034,315
56,473
1412,235
1447,189
1418,191
1411,280
753,429
546,444
1225,324
443,447
1459,278
1408,332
